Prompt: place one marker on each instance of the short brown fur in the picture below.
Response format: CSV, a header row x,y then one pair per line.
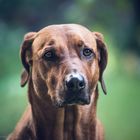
x,y
44,119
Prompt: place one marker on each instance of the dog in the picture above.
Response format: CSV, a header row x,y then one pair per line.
x,y
62,67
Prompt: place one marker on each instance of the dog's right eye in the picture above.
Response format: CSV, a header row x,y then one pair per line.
x,y
49,55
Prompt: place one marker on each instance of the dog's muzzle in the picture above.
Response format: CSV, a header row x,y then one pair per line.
x,y
76,89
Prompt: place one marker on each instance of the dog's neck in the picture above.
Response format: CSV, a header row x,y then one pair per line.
x,y
70,122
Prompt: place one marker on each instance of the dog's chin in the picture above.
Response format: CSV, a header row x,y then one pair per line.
x,y
71,102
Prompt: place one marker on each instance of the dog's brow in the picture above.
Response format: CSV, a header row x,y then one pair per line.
x,y
51,42
80,43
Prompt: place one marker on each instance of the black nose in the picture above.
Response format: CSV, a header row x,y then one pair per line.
x,y
75,82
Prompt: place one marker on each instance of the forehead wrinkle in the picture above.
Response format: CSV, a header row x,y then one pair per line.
x,y
58,36
74,35
45,37
77,36
72,40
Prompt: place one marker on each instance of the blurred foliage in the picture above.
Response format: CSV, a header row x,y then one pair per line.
x,y
119,21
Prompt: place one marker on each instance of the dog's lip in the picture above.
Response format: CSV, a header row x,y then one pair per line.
x,y
76,100
71,98
72,101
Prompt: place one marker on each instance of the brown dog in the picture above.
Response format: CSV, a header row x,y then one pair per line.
x,y
62,65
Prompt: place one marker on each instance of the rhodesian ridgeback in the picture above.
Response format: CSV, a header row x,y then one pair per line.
x,y
62,67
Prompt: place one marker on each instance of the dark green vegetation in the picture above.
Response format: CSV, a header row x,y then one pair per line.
x,y
119,22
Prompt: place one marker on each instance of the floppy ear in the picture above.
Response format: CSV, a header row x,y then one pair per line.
x,y
25,54
103,57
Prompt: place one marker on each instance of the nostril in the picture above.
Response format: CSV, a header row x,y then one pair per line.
x,y
81,85
70,85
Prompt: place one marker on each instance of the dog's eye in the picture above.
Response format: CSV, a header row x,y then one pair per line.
x,y
87,52
49,55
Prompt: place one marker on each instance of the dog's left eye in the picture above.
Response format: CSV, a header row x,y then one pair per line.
x,y
87,52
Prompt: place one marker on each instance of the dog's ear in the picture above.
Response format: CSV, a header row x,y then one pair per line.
x,y
103,57
25,54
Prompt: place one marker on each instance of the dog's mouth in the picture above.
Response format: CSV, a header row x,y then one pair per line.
x,y
77,99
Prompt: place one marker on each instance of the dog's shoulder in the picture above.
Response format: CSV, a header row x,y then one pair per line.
x,y
24,128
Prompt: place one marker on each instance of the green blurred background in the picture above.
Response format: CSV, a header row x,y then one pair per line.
x,y
118,20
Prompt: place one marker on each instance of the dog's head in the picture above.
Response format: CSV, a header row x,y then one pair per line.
x,y
64,62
